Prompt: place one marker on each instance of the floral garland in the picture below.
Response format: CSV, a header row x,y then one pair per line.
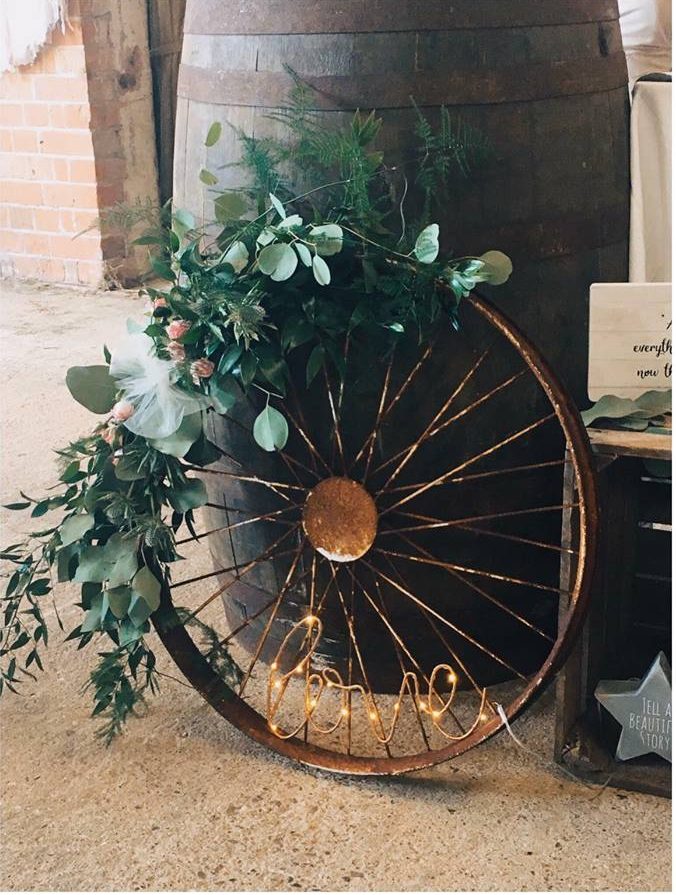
x,y
233,309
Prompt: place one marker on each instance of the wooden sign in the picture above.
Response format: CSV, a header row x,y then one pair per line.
x,y
629,339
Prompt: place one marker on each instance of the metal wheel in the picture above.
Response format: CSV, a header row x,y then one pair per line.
x,y
392,576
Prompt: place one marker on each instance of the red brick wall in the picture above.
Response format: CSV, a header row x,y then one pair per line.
x,y
48,178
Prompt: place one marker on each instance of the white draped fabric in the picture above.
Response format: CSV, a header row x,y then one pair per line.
x,y
25,26
650,228
646,36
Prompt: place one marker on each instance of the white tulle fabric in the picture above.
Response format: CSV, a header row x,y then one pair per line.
x,y
149,383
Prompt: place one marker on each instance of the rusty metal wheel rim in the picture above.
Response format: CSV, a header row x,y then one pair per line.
x,y
251,722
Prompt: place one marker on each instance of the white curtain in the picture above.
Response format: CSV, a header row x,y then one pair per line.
x,y
646,35
25,26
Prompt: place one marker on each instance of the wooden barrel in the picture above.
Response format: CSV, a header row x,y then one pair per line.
x,y
544,80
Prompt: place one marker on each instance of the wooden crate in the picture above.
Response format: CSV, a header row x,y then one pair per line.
x,y
629,620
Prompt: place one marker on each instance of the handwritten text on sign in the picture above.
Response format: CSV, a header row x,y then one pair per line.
x,y
629,338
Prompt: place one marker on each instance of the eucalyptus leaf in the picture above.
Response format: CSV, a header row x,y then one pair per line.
x,y
278,261
93,387
229,206
189,496
208,178
498,268
314,364
303,253
426,247
237,255
119,599
146,585
328,239
213,134
271,429
75,527
178,444
321,271
139,612
277,205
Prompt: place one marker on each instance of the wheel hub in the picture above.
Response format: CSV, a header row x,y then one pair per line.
x,y
340,519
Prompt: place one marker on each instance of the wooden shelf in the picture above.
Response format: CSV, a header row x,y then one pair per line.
x,y
623,443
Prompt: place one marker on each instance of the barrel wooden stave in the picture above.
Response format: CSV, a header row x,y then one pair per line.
x,y
544,81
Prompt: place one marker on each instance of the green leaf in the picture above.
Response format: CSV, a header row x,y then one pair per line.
x,y
75,527
277,205
321,271
115,562
328,239
278,261
314,364
303,253
178,444
189,496
237,255
64,562
119,599
146,585
213,134
296,331
229,206
93,387
224,392
22,505
126,468
93,618
208,178
650,404
203,452
497,268
230,358
183,222
248,367
162,269
427,244
270,429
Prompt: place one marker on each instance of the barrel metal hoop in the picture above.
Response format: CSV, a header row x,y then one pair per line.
x,y
357,17
518,83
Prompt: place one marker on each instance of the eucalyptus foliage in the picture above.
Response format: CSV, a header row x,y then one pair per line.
x,y
276,269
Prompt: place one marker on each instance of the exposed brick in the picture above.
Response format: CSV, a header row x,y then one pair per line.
x,y
39,167
55,142
12,114
24,140
82,171
81,248
110,170
110,193
90,273
61,170
15,87
47,220
60,89
36,114
6,144
19,192
76,221
64,195
69,115
11,241
21,217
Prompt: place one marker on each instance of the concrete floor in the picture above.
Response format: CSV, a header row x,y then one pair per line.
x,y
183,801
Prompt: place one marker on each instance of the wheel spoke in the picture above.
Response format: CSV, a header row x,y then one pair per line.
x,y
415,445
336,421
264,517
442,479
482,573
430,522
445,621
362,667
370,440
461,413
431,622
517,539
273,615
453,570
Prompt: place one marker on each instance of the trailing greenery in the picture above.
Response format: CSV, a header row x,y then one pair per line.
x,y
276,269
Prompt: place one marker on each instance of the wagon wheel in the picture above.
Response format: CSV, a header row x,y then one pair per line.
x,y
403,582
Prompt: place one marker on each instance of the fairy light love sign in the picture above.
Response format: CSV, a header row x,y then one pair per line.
x,y
630,339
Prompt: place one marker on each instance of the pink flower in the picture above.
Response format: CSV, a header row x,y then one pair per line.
x,y
177,329
201,369
122,411
108,434
160,303
176,351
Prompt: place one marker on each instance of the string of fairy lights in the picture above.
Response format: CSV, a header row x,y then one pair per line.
x,y
431,703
